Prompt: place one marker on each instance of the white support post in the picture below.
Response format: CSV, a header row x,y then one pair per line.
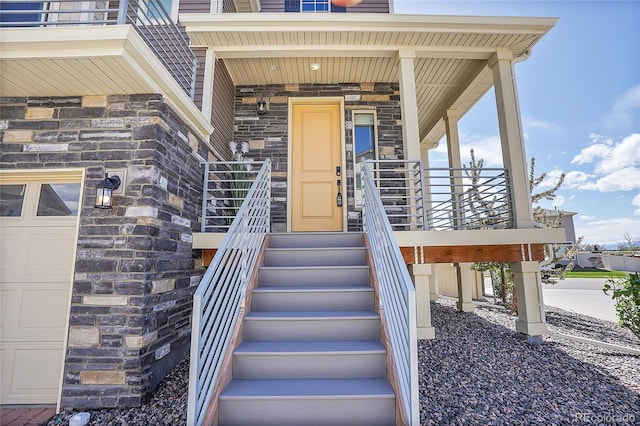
x,y
455,162
531,316
409,104
421,275
511,137
465,291
207,87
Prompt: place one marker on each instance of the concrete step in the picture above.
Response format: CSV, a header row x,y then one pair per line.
x,y
313,298
308,402
312,325
316,239
309,359
313,275
329,256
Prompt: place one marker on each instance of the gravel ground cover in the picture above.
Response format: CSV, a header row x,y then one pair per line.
x,y
478,371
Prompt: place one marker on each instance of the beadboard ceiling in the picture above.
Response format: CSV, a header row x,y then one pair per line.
x,y
451,52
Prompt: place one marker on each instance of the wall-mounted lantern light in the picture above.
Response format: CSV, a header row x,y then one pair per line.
x,y
104,191
261,107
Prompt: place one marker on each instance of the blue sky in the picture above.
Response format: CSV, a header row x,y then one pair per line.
x,y
580,102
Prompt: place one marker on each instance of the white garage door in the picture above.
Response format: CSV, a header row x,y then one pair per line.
x,y
38,232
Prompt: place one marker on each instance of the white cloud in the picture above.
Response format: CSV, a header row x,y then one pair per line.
x,y
626,179
485,148
551,179
615,165
623,154
624,108
558,201
545,125
586,217
575,179
636,203
607,231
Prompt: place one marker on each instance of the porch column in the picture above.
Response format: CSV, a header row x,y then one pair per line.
x,y
453,151
465,291
513,154
409,105
207,84
531,317
421,275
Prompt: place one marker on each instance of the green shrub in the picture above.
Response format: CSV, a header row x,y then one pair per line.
x,y
626,293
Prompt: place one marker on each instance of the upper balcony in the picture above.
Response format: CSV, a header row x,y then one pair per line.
x,y
79,48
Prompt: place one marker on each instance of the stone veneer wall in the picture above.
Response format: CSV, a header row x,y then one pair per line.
x,y
268,134
131,303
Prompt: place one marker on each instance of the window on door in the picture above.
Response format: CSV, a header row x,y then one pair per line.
x,y
364,146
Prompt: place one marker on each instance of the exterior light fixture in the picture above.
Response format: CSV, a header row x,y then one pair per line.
x,y
314,66
261,107
104,191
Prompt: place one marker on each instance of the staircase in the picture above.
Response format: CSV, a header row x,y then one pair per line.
x,y
311,353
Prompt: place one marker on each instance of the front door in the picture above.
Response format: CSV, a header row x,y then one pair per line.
x,y
316,162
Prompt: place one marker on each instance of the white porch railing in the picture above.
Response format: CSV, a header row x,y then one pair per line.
x,y
442,198
468,198
401,189
397,295
226,185
220,295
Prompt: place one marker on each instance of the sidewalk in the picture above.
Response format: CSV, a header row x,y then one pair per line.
x,y
581,295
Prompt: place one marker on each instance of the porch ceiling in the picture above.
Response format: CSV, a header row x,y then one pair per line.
x,y
451,52
88,60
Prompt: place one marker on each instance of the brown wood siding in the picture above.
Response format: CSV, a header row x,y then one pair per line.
x,y
194,6
367,6
224,92
201,53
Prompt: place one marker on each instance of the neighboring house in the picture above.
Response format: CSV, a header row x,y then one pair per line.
x,y
96,303
565,221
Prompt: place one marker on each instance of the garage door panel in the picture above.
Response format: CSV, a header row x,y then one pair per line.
x,y
32,253
51,306
23,378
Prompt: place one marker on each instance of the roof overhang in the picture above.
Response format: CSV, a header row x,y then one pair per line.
x,y
452,52
89,60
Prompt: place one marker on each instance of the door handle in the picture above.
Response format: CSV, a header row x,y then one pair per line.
x,y
339,197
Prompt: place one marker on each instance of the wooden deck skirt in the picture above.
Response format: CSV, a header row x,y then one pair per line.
x,y
453,254
473,253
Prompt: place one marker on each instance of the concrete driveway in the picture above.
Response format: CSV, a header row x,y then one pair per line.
x,y
581,295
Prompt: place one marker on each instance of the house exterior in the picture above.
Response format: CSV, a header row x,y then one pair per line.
x,y
96,303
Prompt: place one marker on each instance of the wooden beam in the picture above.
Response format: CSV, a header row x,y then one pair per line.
x,y
475,253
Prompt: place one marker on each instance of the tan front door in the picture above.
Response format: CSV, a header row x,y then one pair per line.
x,y
38,228
316,152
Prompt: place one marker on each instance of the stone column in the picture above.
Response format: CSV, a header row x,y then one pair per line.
x,y
531,317
465,292
421,275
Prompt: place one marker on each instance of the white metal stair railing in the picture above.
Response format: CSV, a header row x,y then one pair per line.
x,y
397,295
226,185
218,299
400,186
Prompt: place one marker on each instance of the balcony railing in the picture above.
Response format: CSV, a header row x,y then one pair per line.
x,y
468,198
167,40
